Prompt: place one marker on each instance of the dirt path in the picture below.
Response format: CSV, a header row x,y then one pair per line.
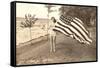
x,y
67,50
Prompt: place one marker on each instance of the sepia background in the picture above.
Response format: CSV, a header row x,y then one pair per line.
x,y
32,41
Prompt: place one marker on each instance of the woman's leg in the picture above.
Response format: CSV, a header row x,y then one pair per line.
x,y
51,43
54,43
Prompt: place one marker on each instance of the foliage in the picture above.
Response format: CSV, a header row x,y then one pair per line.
x,y
81,12
29,21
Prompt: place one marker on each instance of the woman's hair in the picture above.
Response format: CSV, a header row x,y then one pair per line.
x,y
53,19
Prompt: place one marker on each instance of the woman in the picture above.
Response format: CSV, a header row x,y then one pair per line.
x,y
52,34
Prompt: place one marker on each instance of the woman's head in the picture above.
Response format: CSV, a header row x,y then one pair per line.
x,y
53,19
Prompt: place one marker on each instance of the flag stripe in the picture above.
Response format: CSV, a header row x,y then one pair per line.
x,y
61,30
65,28
77,22
81,31
75,26
71,29
66,33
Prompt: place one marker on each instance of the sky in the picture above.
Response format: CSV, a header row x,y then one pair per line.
x,y
35,9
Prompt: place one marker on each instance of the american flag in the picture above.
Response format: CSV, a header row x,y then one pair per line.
x,y
74,28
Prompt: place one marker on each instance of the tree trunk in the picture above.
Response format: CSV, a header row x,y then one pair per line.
x,y
30,37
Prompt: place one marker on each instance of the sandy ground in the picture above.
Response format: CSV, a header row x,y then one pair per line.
x,y
67,50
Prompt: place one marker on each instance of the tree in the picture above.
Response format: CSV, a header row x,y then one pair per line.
x,y
86,14
29,22
49,9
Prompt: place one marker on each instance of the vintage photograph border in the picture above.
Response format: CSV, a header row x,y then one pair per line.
x,y
13,32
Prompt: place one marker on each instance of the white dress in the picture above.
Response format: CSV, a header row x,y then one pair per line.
x,y
51,27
